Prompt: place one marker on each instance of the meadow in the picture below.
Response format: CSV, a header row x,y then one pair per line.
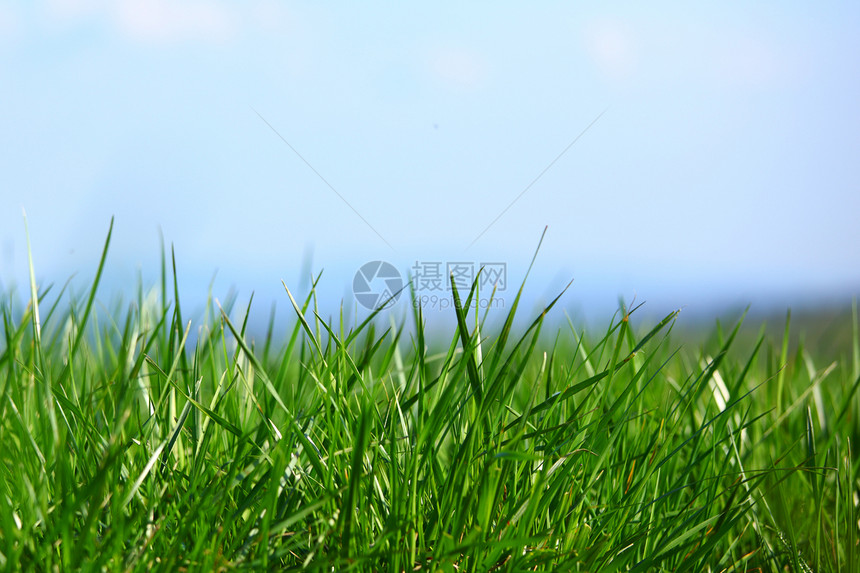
x,y
361,445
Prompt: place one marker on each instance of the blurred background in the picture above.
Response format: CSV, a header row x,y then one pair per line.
x,y
703,157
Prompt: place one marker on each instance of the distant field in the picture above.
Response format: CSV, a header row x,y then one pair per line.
x,y
343,446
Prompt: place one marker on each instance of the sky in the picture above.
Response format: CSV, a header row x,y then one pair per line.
x,y
678,154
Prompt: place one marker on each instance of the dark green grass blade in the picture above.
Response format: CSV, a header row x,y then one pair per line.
x,y
505,332
467,342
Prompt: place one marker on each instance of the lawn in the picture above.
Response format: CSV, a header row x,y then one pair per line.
x,y
349,445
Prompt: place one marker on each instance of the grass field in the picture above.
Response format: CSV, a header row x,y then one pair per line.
x,y
348,447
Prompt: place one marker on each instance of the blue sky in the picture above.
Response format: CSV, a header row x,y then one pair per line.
x,y
724,169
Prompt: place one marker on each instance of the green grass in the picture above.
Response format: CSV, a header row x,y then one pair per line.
x,y
343,447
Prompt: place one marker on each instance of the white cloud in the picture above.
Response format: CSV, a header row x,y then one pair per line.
x,y
458,67
162,21
715,55
65,10
748,61
10,23
611,47
151,21
270,15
